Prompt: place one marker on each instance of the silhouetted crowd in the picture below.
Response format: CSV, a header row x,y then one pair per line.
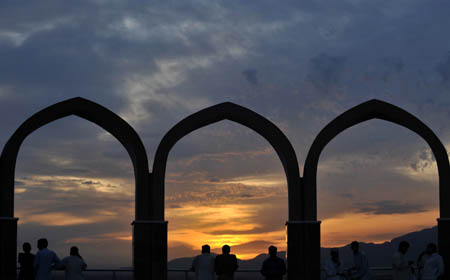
x,y
206,267
429,265
40,266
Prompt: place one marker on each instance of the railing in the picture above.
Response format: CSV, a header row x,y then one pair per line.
x,y
118,274
378,273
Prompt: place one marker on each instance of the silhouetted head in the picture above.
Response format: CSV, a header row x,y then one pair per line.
x,y
206,249
226,249
42,243
431,248
74,251
355,247
26,247
403,247
273,251
334,253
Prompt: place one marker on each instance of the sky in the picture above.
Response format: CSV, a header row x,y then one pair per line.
x,y
298,63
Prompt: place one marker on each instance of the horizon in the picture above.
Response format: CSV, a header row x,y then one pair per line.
x,y
217,251
299,65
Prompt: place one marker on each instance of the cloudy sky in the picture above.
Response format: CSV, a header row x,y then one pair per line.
x,y
298,63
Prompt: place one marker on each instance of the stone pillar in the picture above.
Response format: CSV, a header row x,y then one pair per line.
x,y
8,247
150,250
444,243
303,250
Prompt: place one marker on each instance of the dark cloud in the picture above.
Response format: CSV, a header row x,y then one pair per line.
x,y
214,180
174,206
223,194
251,75
90,183
393,65
239,232
325,70
443,68
387,207
347,195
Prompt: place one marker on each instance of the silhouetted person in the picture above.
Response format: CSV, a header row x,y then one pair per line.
x,y
401,268
420,263
360,269
433,267
333,269
203,265
44,261
226,264
273,268
26,260
74,265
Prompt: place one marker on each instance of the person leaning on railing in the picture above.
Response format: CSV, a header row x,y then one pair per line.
x,y
74,265
361,269
401,267
26,260
44,261
433,268
203,265
332,267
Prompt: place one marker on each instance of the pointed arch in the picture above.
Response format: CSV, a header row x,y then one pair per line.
x,y
245,117
92,112
375,109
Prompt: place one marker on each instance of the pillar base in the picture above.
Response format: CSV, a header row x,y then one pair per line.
x,y
303,250
8,247
150,250
444,243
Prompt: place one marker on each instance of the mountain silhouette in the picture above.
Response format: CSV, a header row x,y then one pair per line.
x,y
379,255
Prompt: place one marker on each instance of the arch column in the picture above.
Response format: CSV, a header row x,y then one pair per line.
x,y
303,235
150,249
8,247
303,249
150,243
444,243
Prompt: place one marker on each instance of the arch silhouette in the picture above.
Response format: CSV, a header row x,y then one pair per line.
x,y
375,109
90,111
245,117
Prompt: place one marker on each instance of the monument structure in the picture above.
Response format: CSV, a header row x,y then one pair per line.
x,y
150,227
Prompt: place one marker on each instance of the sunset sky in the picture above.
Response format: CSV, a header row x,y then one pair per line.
x,y
298,63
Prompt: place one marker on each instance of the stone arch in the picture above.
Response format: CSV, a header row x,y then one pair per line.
x,y
112,123
241,115
245,117
90,111
376,109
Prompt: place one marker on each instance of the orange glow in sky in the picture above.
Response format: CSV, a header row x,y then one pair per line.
x,y
342,230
